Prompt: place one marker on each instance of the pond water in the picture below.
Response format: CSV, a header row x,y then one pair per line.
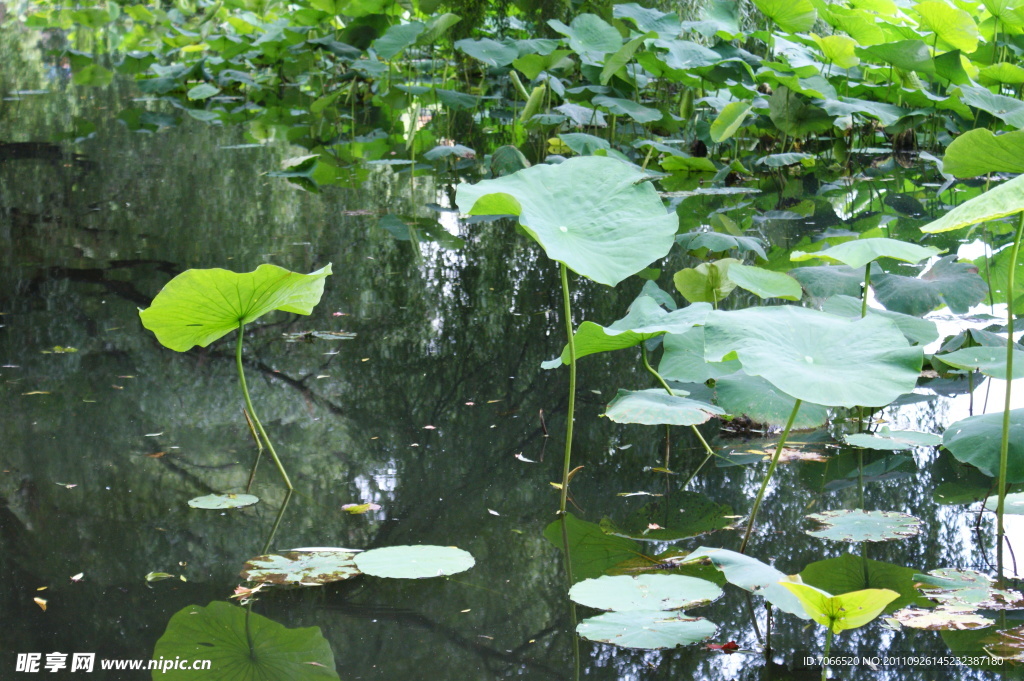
x,y
437,411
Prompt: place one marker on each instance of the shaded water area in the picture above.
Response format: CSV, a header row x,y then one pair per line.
x,y
437,411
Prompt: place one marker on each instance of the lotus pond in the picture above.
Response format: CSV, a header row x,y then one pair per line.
x,y
342,341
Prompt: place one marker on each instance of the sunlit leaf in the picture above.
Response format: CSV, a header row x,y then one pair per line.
x,y
644,592
754,576
976,440
795,16
941,618
222,501
301,567
414,562
860,252
859,525
847,611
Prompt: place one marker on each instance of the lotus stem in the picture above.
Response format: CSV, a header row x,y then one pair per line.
x,y
864,295
1004,446
768,476
563,497
828,648
252,412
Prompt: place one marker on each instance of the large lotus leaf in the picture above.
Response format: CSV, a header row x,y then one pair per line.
x,y
915,329
794,115
716,242
859,525
976,440
955,284
850,572
591,551
981,151
593,213
655,406
966,588
753,576
708,282
817,357
893,440
590,36
846,611
678,515
644,592
860,252
988,360
625,107
752,396
301,567
649,630
414,562
1001,73
647,19
199,306
1007,109
952,25
242,646
941,618
1013,504
1007,11
645,319
826,281
794,16
906,55
682,359
729,120
765,283
490,52
397,38
222,501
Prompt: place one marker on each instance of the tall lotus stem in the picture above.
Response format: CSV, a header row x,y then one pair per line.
x,y
768,476
563,497
1004,447
252,412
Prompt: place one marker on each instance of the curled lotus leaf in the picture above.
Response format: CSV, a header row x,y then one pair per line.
x,y
858,525
309,568
655,407
646,629
860,252
644,592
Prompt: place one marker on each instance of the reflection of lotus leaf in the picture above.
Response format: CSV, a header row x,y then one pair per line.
x,y
414,562
223,633
893,440
859,525
301,567
650,630
644,592
222,501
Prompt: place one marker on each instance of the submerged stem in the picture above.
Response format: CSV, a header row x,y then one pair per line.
x,y
1004,446
252,412
563,497
768,476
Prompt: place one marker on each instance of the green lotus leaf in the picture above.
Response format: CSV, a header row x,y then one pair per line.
x,y
906,55
397,38
916,330
859,525
222,501
955,284
1007,109
838,49
989,361
625,107
1012,503
644,592
729,120
826,281
649,630
675,516
847,611
593,213
709,282
199,306
655,406
647,19
795,115
952,25
682,359
765,283
752,396
1002,73
301,567
591,550
1010,12
716,242
242,646
886,114
795,16
958,588
590,36
850,572
645,319
817,357
490,52
860,252
976,440
893,440
414,562
752,575
981,151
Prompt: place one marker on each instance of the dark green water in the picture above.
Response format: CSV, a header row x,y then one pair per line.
x,y
422,413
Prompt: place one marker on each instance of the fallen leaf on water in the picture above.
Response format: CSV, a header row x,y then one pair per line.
x,y
492,401
157,576
41,602
77,578
429,427
153,434
69,485
654,526
157,455
37,392
42,588
470,404
638,494
356,509
493,512
524,459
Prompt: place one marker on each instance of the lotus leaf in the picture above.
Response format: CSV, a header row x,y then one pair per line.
x,y
655,407
301,567
717,243
753,576
966,588
981,151
1006,199
729,120
649,630
952,25
647,19
709,282
859,525
222,501
595,214
242,646
988,360
624,107
414,562
826,281
490,52
916,330
590,36
752,396
860,252
893,440
817,357
955,284
941,618
847,611
976,440
765,283
850,572
795,17
644,592
683,359
591,551
199,306
1012,503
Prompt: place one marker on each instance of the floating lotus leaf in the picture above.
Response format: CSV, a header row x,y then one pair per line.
x,y
915,329
860,252
988,360
655,407
242,646
199,306
591,551
761,402
414,562
817,357
645,319
1012,503
301,567
1006,199
753,576
948,282
682,359
850,572
859,525
650,630
976,440
222,501
893,440
941,618
847,611
678,515
644,592
966,588
593,213
1006,645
